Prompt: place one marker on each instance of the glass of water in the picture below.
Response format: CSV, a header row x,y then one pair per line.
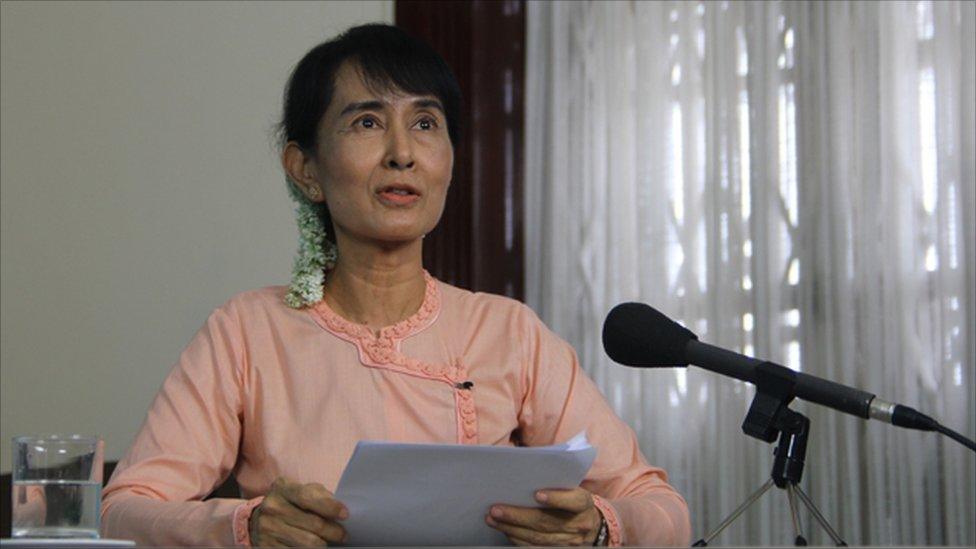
x,y
57,486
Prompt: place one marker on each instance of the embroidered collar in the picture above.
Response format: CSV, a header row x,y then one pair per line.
x,y
364,336
383,351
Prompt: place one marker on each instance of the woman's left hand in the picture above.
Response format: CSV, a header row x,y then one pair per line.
x,y
568,518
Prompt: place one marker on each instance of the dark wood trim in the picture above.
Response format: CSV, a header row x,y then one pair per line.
x,y
478,244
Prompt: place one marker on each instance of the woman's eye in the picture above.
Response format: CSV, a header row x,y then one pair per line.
x,y
367,122
427,123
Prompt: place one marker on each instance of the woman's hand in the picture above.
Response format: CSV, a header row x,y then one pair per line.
x,y
297,515
569,518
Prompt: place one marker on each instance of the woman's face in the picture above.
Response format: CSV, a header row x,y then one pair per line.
x,y
384,161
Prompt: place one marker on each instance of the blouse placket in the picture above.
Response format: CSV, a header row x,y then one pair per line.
x,y
383,351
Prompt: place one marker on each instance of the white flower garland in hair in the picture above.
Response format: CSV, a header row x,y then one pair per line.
x,y
316,253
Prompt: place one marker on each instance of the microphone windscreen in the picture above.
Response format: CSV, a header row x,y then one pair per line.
x,y
636,334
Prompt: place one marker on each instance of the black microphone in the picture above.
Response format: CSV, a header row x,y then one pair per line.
x,y
635,334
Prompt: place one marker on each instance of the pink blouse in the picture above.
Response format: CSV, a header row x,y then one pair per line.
x,y
264,390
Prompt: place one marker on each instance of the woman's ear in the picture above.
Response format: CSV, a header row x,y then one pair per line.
x,y
301,170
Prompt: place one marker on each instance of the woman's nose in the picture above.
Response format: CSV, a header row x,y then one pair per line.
x,y
399,155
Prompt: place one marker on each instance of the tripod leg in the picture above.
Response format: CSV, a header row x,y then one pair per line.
x,y
799,540
834,536
735,514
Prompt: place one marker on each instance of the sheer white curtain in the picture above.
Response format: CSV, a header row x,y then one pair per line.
x,y
791,180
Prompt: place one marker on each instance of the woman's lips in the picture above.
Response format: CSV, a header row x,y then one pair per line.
x,y
397,197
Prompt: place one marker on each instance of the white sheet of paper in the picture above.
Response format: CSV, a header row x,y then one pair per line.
x,y
439,494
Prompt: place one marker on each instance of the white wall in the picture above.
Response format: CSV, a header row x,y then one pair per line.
x,y
139,189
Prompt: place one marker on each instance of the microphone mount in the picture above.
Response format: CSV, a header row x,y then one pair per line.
x,y
775,389
769,418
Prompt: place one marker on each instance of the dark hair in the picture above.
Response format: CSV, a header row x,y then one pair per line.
x,y
388,59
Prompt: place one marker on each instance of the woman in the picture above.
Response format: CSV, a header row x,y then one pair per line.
x,y
280,384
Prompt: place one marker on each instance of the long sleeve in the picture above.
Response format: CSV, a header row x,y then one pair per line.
x,y
187,446
640,506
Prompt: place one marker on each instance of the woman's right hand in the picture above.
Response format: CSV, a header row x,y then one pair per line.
x,y
297,515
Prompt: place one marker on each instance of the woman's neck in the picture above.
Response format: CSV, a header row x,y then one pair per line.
x,y
376,286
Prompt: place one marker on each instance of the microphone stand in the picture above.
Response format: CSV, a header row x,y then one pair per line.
x,y
770,417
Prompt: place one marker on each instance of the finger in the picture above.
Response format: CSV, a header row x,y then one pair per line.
x,y
276,506
325,529
540,520
316,499
290,536
575,500
278,493
520,535
283,484
277,509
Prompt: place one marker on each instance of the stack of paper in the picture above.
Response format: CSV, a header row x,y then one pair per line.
x,y
439,494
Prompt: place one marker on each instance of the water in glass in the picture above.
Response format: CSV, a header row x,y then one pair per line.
x,y
56,509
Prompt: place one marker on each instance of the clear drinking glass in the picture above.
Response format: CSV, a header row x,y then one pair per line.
x,y
57,486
